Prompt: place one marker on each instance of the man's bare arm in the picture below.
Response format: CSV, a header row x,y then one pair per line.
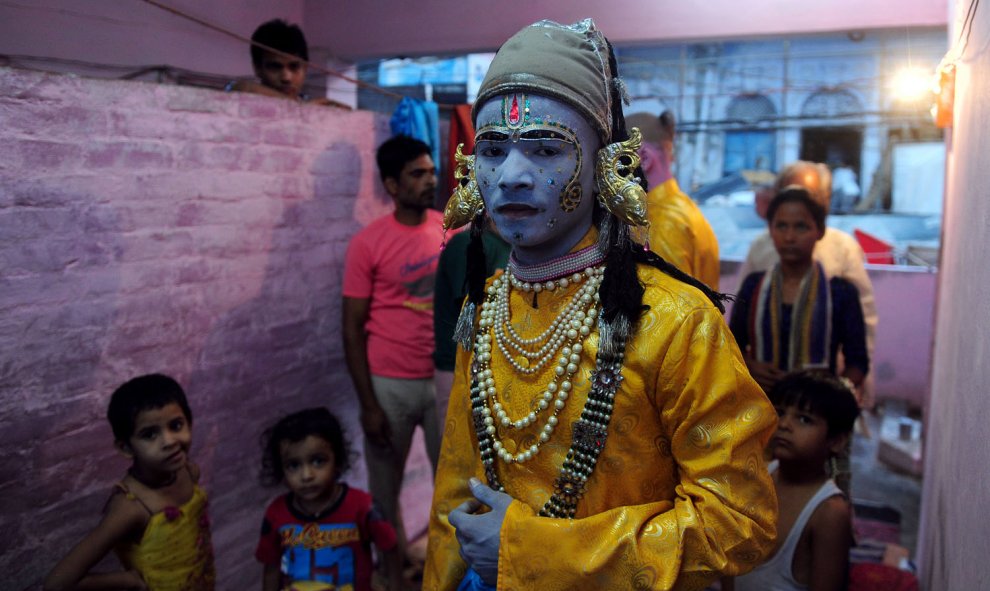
x,y
373,420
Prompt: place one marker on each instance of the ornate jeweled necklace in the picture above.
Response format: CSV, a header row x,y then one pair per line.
x,y
565,336
572,323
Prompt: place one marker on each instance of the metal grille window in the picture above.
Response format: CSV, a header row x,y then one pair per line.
x,y
750,108
831,103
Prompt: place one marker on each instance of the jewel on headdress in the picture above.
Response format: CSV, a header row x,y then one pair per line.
x,y
514,111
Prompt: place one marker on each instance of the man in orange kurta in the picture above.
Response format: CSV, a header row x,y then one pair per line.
x,y
603,431
679,231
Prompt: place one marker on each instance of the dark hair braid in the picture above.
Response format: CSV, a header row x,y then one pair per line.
x,y
648,257
477,272
621,291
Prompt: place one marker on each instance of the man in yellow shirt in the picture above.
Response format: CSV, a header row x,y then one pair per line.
x,y
679,231
603,431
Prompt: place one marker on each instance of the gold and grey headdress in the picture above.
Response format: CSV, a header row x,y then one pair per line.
x,y
569,63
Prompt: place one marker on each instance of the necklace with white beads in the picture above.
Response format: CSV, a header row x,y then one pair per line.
x,y
573,321
564,335
590,430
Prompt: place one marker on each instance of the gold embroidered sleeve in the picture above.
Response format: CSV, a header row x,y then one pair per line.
x,y
459,461
710,422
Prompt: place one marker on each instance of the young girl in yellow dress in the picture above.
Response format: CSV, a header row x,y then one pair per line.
x,y
156,519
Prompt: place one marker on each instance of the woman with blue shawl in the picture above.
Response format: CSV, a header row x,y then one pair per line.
x,y
794,316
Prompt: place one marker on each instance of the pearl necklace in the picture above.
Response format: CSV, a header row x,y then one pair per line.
x,y
590,430
539,286
565,334
571,322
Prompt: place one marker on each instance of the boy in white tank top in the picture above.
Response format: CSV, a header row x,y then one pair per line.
x,y
814,527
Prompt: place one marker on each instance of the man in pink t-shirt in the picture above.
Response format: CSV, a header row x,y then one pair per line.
x,y
388,320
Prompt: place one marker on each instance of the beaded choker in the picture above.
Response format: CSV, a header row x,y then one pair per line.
x,y
565,336
568,264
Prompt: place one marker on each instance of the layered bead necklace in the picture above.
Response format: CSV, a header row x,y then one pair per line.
x,y
563,336
562,340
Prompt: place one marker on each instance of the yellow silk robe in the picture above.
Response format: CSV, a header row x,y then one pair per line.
x,y
680,493
680,233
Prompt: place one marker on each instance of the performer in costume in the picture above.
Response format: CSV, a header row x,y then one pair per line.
x,y
603,431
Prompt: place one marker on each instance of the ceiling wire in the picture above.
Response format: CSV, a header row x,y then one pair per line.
x,y
967,26
632,60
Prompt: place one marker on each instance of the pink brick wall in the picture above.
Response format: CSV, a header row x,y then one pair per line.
x,y
155,228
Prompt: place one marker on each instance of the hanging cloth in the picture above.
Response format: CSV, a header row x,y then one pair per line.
x,y
472,582
418,119
461,132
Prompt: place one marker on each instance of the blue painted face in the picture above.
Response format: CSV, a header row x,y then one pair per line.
x,y
534,163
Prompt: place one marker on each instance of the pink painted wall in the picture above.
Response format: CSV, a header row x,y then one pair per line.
x,y
901,366
391,27
952,553
137,33
159,228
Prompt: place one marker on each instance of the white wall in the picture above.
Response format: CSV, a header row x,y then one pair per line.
x,y
953,549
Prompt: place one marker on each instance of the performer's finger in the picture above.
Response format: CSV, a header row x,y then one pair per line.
x,y
460,513
486,495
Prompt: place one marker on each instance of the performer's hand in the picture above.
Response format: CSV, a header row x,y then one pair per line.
x,y
376,427
478,534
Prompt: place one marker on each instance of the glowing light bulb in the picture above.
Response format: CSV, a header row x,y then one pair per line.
x,y
911,84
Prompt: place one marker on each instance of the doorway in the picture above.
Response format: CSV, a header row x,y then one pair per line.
x,y
749,149
833,146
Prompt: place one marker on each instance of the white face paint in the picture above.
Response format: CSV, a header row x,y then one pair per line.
x,y
534,162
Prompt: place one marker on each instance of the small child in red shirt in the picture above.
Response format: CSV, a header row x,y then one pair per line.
x,y
319,534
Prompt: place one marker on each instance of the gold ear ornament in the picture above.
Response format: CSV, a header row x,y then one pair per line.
x,y
619,190
466,202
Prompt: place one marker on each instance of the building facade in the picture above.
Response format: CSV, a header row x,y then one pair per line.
x,y
759,104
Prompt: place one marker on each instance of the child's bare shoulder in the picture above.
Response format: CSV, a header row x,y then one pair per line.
x,y
832,517
833,507
124,513
124,503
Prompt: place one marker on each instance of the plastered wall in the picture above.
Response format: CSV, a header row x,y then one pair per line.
x,y
952,551
159,228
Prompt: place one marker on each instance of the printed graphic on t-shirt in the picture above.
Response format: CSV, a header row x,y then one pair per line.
x,y
421,287
320,553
